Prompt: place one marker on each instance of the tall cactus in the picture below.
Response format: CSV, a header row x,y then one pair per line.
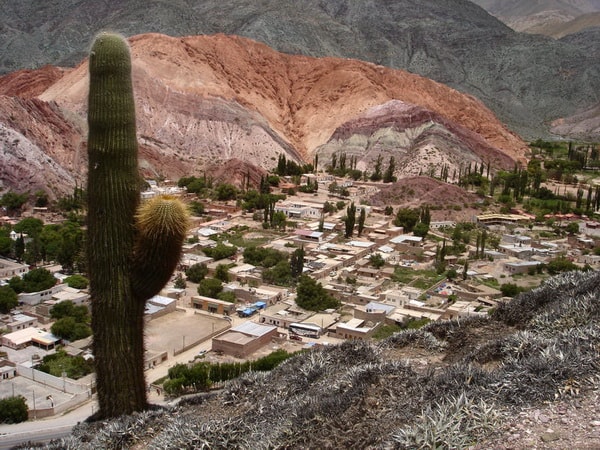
x,y
132,250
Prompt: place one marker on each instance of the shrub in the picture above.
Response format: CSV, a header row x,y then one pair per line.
x,y
8,299
510,289
196,272
77,281
13,409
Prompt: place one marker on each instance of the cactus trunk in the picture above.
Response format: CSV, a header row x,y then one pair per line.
x,y
113,233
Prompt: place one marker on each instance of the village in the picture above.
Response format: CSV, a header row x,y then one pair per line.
x,y
384,279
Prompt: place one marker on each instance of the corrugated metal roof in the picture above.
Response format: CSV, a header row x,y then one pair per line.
x,y
362,244
253,329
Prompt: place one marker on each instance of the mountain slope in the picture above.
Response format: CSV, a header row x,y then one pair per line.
x,y
554,18
583,22
204,100
420,141
521,77
514,9
451,384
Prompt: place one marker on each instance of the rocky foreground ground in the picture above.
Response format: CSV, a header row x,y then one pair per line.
x,y
526,377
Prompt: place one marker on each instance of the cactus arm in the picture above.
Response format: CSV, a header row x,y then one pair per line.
x,y
162,224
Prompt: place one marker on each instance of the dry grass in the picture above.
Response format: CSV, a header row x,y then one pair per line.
x,y
449,385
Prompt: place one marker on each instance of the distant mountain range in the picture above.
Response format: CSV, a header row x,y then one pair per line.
x,y
518,10
555,18
528,81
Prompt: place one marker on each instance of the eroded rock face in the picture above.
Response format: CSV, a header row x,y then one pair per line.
x,y
208,99
420,141
521,77
39,148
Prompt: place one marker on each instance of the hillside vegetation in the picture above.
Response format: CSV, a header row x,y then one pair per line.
x,y
447,385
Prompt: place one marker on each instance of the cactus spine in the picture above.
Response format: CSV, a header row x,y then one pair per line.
x,y
131,254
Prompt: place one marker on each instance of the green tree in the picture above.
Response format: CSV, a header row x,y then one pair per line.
x,y
70,329
349,220
13,202
560,264
376,176
297,262
377,260
196,208
227,296
8,299
221,251
329,208
421,229
6,243
572,228
41,199
194,185
426,215
225,192
196,272
280,274
361,220
70,246
407,218
19,248
179,282
77,281
13,409
30,226
210,287
311,295
510,289
388,176
278,220
33,251
222,273
35,280
263,256
60,362
68,309
51,242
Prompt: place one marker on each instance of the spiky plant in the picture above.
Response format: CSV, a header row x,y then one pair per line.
x,y
131,253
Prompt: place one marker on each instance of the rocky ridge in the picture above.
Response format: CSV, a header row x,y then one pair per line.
x,y
528,81
447,201
420,140
203,100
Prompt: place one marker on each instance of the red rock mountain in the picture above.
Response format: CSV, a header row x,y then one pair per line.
x,y
207,99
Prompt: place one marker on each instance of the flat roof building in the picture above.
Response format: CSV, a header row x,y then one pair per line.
x,y
245,339
30,336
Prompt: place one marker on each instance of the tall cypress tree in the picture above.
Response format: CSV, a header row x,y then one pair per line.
x,y
361,220
297,262
350,220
